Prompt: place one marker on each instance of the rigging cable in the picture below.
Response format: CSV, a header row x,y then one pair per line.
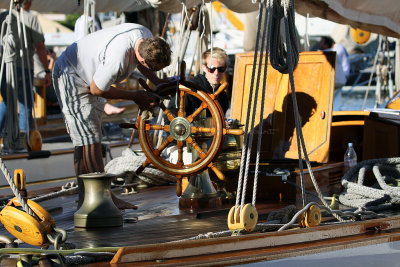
x,y
372,72
292,60
21,55
241,179
9,59
30,79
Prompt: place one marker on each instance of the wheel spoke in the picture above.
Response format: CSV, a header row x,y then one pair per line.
x,y
220,89
157,127
144,165
233,131
181,103
193,143
158,151
196,113
169,114
195,129
180,154
217,172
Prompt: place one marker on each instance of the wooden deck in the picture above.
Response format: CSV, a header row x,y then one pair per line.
x,y
157,233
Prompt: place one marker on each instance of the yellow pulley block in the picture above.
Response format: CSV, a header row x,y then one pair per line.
x,y
247,219
19,179
32,230
35,141
360,36
312,217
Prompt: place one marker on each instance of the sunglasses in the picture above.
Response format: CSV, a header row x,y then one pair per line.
x,y
220,69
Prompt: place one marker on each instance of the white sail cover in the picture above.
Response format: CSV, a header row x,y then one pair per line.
x,y
381,16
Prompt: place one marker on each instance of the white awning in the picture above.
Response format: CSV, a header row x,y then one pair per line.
x,y
381,16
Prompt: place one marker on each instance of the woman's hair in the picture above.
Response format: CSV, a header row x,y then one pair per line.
x,y
218,54
155,51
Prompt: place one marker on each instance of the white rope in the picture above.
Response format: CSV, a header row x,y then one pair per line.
x,y
253,118
21,55
379,196
128,163
245,137
6,46
306,34
203,20
9,58
267,25
372,72
14,189
29,71
93,14
211,32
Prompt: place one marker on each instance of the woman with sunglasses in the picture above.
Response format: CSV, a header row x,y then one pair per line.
x,y
214,69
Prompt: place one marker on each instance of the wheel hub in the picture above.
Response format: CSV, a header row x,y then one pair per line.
x,y
180,128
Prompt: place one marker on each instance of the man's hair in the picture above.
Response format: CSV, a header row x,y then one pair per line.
x,y
328,41
218,54
155,51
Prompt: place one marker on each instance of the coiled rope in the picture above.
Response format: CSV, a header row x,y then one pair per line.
x,y
384,194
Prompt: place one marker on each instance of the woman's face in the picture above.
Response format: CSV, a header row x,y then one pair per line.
x,y
214,72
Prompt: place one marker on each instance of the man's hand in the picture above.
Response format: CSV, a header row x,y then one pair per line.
x,y
47,79
145,100
169,87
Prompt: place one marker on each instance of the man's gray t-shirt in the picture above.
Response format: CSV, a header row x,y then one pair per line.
x,y
106,56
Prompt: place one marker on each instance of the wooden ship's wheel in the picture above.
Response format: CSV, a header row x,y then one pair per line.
x,y
185,130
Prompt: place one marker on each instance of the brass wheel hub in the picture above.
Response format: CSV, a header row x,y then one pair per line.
x,y
180,128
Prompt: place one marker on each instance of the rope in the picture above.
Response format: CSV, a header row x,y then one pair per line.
x,y
268,21
279,55
254,104
30,76
372,72
69,188
9,58
379,196
211,32
128,163
292,60
14,189
21,54
245,137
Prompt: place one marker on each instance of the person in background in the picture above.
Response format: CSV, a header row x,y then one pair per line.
x,y
79,32
214,69
40,73
342,59
87,73
342,69
35,42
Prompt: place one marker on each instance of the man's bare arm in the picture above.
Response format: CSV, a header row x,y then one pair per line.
x,y
142,98
151,75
